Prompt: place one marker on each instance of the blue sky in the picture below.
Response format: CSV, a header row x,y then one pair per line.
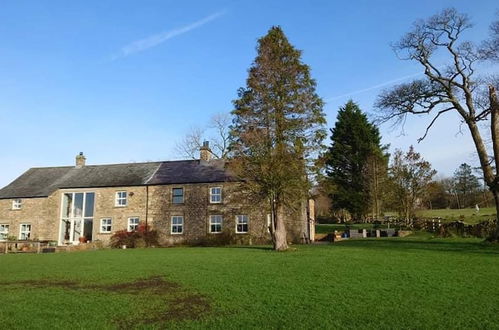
x,y
124,80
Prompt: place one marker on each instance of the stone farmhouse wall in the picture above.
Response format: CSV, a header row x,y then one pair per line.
x,y
155,203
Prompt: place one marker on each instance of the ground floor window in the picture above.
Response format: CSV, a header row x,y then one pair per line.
x,y
105,225
177,224
242,222
215,223
77,217
133,223
4,232
25,232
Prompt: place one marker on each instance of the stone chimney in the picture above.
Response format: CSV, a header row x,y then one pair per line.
x,y
80,160
205,152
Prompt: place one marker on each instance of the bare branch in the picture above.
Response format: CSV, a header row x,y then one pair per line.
x,y
433,122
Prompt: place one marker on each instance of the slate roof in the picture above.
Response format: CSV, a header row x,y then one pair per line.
x,y
43,181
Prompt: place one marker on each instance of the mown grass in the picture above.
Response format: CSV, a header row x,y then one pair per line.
x,y
416,282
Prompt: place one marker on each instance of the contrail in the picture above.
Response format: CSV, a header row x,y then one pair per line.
x,y
386,83
157,39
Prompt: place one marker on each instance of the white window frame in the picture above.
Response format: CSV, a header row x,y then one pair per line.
x,y
177,225
211,223
215,195
242,223
136,225
4,231
118,200
183,195
21,231
102,225
17,204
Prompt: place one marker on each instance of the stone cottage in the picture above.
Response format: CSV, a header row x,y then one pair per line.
x,y
184,201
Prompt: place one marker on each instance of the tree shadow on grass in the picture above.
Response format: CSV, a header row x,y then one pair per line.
x,y
424,244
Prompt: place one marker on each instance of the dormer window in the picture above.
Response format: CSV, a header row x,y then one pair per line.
x,y
121,198
17,204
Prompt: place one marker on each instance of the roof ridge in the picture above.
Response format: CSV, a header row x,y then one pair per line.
x,y
129,163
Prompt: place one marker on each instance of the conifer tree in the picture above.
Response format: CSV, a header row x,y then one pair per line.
x,y
356,146
278,125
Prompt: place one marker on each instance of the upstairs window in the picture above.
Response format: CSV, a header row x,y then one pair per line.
x,y
105,225
215,224
177,195
216,195
177,225
133,223
242,222
121,198
4,232
25,231
17,204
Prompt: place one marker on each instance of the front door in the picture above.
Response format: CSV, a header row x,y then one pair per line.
x,y
76,218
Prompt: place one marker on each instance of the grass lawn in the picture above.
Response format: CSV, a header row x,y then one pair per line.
x,y
397,283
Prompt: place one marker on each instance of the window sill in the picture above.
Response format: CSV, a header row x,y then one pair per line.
x,y
106,233
245,233
120,206
176,233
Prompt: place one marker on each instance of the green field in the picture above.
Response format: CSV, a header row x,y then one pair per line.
x,y
397,283
470,216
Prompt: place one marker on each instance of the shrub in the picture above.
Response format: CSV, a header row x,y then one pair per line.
x,y
142,237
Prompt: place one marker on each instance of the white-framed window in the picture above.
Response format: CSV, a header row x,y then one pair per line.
x,y
17,204
177,224
215,195
177,195
242,222
4,232
215,224
121,198
133,223
25,231
106,225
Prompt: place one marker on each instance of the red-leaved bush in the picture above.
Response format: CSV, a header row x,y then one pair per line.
x,y
142,237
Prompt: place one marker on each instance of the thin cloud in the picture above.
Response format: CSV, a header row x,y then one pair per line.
x,y
157,39
386,83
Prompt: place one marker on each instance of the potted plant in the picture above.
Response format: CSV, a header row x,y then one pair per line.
x,y
82,239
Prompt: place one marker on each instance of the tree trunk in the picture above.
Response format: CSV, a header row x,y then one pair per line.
x,y
279,236
494,125
495,235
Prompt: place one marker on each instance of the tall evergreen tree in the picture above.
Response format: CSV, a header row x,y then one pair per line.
x,y
278,125
356,146
466,185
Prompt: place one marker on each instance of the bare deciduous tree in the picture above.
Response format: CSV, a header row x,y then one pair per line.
x,y
189,145
216,132
454,87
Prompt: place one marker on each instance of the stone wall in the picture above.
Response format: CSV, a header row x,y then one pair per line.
x,y
44,213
